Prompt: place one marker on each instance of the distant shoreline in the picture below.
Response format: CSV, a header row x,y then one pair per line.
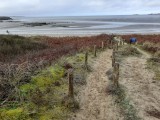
x,y
81,26
77,35
5,18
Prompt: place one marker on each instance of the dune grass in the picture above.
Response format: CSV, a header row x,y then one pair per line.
x,y
13,45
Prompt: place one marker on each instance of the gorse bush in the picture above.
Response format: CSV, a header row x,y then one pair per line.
x,y
129,50
152,47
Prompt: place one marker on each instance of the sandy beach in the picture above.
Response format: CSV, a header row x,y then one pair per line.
x,y
82,26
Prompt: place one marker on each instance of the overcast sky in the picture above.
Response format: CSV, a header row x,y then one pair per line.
x,y
77,7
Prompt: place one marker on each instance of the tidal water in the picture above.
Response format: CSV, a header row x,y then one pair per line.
x,y
82,25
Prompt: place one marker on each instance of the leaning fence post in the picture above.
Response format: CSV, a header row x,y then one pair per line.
x,y
70,80
95,51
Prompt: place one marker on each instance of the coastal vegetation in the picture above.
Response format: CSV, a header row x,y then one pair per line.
x,y
33,73
33,82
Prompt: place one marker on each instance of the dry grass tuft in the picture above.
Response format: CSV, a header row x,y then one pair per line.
x,y
126,107
151,47
129,51
157,54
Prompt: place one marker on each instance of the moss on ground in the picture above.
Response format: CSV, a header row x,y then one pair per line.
x,y
14,114
44,97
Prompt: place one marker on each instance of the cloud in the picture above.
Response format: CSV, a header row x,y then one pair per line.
x,y
74,7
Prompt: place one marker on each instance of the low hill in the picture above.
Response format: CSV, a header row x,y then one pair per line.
x,y
5,18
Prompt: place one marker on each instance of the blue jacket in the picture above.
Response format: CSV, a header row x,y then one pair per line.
x,y
133,40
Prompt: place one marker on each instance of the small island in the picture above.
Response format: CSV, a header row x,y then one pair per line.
x,y
5,18
154,14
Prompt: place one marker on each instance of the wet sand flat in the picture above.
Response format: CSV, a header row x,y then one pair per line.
x,y
81,26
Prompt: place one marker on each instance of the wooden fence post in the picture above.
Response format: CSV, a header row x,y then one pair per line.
x,y
116,74
120,43
102,45
111,44
86,59
114,79
113,61
70,80
114,54
116,45
95,51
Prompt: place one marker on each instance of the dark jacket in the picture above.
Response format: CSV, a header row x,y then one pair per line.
x,y
133,40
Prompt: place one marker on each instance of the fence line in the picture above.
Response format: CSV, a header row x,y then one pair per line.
x,y
115,65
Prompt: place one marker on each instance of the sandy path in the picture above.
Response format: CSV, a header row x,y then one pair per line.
x,y
142,89
95,103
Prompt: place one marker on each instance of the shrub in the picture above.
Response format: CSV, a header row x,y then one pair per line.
x,y
129,50
152,47
13,45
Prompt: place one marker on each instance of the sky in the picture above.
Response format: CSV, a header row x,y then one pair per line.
x,y
77,7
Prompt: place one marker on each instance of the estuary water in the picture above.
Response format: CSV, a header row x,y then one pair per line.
x,y
82,25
